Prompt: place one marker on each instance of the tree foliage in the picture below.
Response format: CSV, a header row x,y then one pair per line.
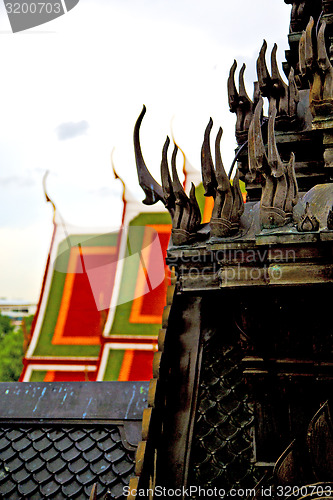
x,y
5,326
11,349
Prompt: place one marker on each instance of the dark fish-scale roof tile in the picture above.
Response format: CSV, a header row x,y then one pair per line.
x,y
28,454
115,454
99,434
50,488
71,489
8,487
125,478
28,488
122,467
214,417
115,436
85,444
14,464
55,466
205,428
65,444
4,442
92,455
15,434
59,456
64,477
100,466
4,474
213,442
242,418
117,490
107,445
36,434
21,444
42,476
42,444
86,477
71,454
21,475
55,434
208,472
78,466
225,455
109,477
35,465
77,434
49,454
8,454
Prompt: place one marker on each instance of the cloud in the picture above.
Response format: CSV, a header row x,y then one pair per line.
x,y
15,180
69,130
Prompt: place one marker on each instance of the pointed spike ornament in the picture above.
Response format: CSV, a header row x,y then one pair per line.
x,y
279,190
315,67
207,165
264,77
152,189
184,210
233,96
279,89
292,194
293,94
168,193
240,103
187,216
308,221
244,101
228,205
274,159
284,96
256,147
325,64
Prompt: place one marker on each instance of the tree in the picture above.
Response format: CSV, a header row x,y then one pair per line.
x,y
11,349
5,326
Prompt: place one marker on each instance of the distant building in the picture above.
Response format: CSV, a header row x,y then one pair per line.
x,y
16,310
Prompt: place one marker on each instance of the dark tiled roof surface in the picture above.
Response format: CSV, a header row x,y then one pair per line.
x,y
50,457
222,435
62,462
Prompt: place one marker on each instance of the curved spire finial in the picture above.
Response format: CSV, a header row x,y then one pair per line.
x,y
264,77
166,179
48,199
151,188
116,176
232,90
207,165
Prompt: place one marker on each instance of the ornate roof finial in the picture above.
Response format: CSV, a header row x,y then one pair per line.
x,y
315,64
240,103
285,97
184,210
151,188
308,221
228,204
48,199
279,191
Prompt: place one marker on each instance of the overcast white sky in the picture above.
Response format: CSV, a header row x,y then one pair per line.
x,y
71,90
